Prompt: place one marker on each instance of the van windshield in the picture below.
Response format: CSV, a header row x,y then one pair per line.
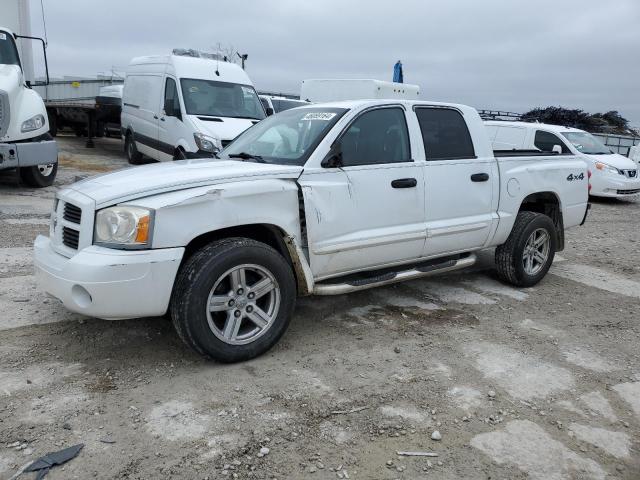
x,y
285,138
586,143
220,99
8,51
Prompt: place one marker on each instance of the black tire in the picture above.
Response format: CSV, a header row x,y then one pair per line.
x,y
179,154
133,156
509,256
199,275
35,176
53,123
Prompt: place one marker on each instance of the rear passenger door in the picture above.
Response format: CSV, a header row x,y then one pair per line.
x,y
459,186
370,211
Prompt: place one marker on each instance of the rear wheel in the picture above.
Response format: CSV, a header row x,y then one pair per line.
x,y
525,258
133,156
233,299
39,176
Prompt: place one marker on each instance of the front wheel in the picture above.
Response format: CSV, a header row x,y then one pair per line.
x,y
233,299
525,258
39,176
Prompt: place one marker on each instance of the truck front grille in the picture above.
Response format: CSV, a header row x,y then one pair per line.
x,y
629,192
72,213
70,237
4,113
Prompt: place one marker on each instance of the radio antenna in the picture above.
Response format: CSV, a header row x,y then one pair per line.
x,y
218,60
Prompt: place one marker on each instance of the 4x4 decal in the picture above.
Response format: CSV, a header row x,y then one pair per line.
x,y
573,177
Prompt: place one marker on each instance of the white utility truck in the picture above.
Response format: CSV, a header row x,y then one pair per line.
x,y
613,175
185,105
339,89
318,200
25,142
276,104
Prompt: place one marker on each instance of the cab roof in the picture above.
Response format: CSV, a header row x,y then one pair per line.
x,y
192,67
533,126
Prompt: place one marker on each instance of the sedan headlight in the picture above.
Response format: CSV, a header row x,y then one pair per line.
x,y
124,227
607,168
207,143
34,123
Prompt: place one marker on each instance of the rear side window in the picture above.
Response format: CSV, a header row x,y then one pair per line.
x,y
142,91
376,137
445,134
509,138
546,140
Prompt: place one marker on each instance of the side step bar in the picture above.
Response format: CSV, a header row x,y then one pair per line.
x,y
393,277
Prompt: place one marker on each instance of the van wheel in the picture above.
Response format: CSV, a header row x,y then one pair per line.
x,y
39,176
133,156
233,299
525,258
179,154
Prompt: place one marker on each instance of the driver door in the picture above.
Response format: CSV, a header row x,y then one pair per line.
x,y
370,212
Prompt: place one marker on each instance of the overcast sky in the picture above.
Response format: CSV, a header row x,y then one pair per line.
x,y
498,54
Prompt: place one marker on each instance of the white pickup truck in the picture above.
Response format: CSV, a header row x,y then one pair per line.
x,y
324,199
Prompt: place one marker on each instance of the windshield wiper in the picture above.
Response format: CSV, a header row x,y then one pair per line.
x,y
247,156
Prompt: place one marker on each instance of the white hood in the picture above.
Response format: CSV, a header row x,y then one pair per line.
x,y
615,160
138,182
10,78
227,129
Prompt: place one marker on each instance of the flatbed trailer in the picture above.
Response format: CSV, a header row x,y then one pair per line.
x,y
72,103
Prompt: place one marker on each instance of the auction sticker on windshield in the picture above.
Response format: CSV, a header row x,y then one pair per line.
x,y
325,116
3,36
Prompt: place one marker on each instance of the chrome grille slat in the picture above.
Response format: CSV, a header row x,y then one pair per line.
x,y
4,112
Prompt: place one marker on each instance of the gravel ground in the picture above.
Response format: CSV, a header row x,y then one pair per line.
x,y
542,383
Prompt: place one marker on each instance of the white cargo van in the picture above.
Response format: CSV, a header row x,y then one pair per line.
x,y
335,90
185,105
274,104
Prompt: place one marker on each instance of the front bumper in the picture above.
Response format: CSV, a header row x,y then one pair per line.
x,y
615,188
107,283
28,154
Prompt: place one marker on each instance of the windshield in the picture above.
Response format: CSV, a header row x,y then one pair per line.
x,y
281,105
8,51
288,137
586,143
220,99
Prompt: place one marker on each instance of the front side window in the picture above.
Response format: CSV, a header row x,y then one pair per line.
x,y
286,138
587,143
171,94
545,141
220,99
8,50
445,134
376,137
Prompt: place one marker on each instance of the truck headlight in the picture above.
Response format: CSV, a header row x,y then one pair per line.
x,y
207,143
124,227
34,123
607,168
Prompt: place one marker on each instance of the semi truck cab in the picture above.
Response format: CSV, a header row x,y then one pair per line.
x,y
25,142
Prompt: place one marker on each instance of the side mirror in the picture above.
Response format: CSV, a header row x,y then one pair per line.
x,y
269,111
333,158
557,149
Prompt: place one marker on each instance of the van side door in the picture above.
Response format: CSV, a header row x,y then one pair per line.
x,y
368,212
141,96
461,189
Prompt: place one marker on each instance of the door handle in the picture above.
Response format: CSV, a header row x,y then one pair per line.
x,y
404,183
155,117
162,119
479,177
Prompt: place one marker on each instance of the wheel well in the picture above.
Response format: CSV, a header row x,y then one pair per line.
x,y
264,233
548,204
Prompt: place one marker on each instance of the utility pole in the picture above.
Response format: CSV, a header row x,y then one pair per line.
x,y
243,58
